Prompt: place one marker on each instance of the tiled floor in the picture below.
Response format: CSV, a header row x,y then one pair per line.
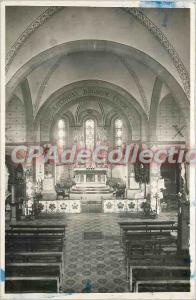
x,y
96,265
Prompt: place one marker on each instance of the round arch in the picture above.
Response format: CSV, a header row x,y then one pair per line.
x,y
135,12
115,48
91,113
122,101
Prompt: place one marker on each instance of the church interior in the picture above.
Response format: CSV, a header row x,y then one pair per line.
x,y
81,78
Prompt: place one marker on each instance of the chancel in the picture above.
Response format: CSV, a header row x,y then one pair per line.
x,y
97,112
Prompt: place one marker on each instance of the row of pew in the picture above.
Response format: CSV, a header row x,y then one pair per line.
x,y
34,260
153,263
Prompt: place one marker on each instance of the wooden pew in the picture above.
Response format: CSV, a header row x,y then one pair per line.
x,y
34,257
153,241
124,224
27,226
156,260
161,273
32,268
35,270
20,225
35,243
31,238
34,236
147,223
146,226
31,232
153,284
46,264
44,279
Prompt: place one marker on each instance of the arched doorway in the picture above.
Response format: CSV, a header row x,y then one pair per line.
x,y
171,175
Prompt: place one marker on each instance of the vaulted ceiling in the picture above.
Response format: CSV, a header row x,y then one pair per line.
x,y
50,48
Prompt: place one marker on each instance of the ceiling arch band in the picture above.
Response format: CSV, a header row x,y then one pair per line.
x,y
135,12
158,34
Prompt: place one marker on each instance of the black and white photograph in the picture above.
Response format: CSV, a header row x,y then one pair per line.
x,y
98,151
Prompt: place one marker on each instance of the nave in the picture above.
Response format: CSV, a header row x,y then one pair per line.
x,y
97,160
97,255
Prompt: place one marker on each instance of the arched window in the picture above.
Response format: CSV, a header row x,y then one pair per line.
x,y
118,132
61,132
90,133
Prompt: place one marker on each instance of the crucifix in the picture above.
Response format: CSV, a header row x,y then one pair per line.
x,y
178,130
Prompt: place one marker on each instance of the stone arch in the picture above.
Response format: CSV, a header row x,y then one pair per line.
x,y
102,110
90,113
109,116
161,37
135,12
103,46
68,115
126,126
119,98
69,122
112,115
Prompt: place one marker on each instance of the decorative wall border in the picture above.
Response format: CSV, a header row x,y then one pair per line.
x,y
122,205
29,31
144,20
60,206
137,13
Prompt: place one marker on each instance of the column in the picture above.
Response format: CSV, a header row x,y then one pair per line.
x,y
96,178
6,179
184,225
105,178
55,173
129,171
13,204
85,177
29,191
154,189
39,170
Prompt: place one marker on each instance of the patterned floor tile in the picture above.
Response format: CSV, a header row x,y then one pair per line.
x,y
90,255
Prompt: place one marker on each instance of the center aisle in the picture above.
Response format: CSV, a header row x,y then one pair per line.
x,y
94,261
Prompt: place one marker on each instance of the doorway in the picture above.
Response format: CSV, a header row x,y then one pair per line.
x,y
171,175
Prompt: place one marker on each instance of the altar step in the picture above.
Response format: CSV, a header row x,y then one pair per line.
x,y
90,192
90,188
91,207
88,196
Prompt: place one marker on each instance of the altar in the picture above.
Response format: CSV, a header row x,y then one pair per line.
x,y
90,177
90,184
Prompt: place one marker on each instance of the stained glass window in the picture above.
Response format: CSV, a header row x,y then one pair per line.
x,y
90,133
61,132
118,132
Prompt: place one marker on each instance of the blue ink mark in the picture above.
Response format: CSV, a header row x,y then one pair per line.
x,y
193,275
156,3
87,287
2,275
68,292
165,20
187,260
